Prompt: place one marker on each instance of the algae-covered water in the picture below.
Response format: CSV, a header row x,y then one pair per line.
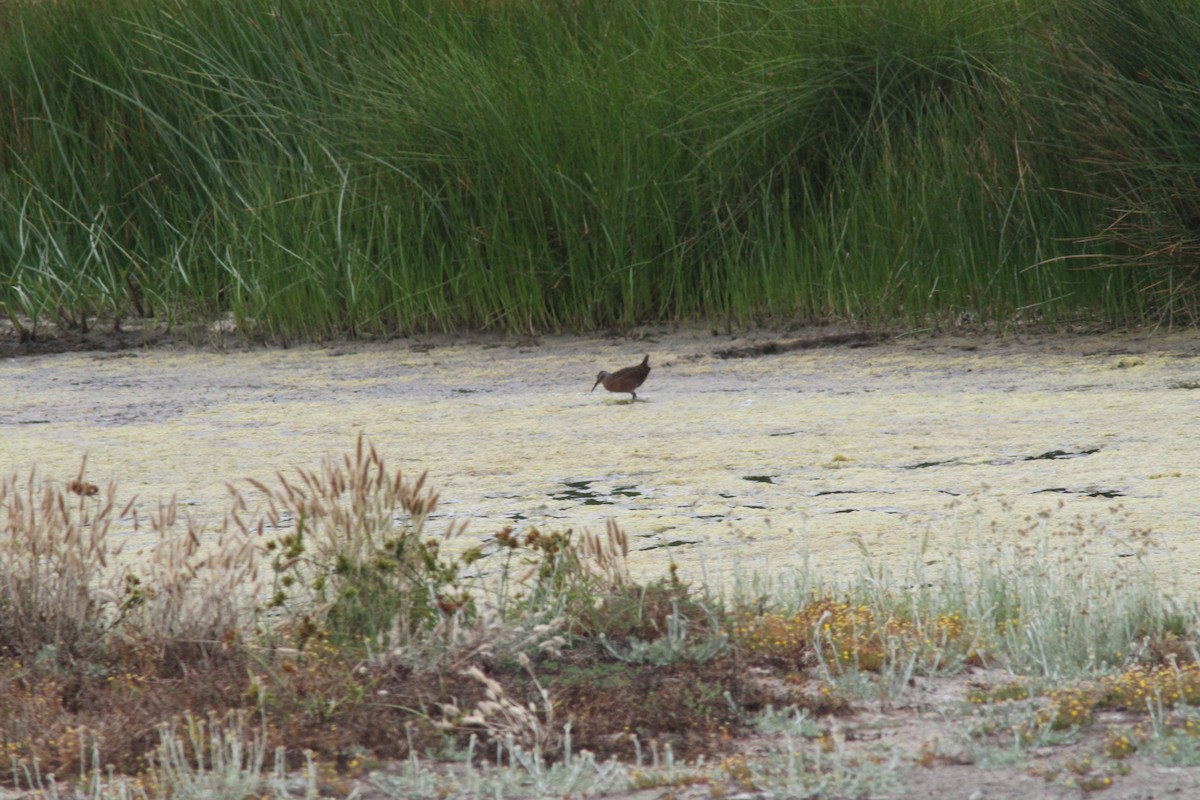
x,y
720,462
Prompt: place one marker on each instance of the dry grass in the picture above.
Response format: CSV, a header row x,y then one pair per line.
x,y
55,604
320,627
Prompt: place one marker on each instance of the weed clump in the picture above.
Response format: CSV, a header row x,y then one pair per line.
x,y
322,628
54,553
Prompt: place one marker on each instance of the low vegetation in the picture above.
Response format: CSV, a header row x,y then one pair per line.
x,y
373,169
325,637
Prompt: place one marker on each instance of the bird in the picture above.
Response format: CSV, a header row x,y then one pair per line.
x,y
624,380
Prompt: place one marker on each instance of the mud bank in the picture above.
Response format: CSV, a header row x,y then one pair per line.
x,y
721,462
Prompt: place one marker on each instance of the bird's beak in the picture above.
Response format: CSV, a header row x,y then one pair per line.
x,y
594,385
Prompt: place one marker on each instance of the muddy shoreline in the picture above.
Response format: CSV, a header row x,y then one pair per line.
x,y
821,443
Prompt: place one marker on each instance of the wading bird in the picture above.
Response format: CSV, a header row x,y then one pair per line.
x,y
624,380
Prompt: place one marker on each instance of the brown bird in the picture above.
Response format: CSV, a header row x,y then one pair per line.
x,y
624,380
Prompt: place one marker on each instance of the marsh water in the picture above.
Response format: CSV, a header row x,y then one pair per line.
x,y
721,463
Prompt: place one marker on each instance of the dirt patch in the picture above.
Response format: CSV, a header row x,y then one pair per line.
x,y
931,742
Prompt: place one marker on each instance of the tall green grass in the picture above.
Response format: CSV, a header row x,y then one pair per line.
x,y
371,168
1131,73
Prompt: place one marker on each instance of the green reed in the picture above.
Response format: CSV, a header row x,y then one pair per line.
x,y
373,168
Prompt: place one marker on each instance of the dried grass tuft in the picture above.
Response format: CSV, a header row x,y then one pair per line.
x,y
57,601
